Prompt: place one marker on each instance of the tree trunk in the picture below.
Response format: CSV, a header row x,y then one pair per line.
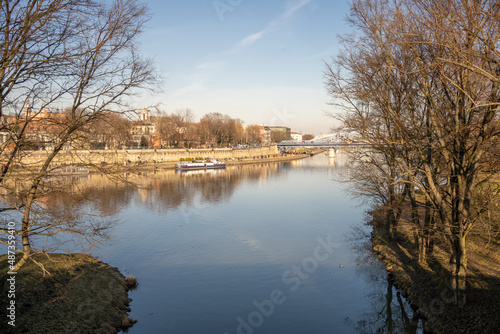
x,y
459,270
429,228
26,222
394,210
416,221
391,223
25,226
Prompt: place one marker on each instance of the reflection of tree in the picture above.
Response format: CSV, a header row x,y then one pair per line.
x,y
387,314
71,206
65,216
79,204
164,190
411,325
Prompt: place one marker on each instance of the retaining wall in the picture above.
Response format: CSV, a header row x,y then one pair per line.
x,y
146,155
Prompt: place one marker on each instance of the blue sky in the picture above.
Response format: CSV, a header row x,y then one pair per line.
x,y
260,61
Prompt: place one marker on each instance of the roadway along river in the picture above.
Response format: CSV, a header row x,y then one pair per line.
x,y
275,248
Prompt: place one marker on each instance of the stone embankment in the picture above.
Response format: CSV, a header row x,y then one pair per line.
x,y
111,161
145,156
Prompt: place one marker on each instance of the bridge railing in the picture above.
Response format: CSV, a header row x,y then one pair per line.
x,y
307,143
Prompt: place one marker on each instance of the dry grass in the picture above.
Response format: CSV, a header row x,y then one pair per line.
x,y
131,282
81,295
425,285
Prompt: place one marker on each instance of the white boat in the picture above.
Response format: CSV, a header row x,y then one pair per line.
x,y
200,164
71,170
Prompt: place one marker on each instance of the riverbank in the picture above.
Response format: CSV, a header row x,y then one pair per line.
x,y
150,166
244,161
35,159
170,165
77,294
426,286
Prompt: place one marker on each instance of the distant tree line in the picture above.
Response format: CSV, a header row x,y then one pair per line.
x,y
177,129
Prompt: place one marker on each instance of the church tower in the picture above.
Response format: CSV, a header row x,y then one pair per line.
x,y
145,115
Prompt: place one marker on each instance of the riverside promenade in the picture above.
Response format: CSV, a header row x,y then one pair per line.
x,y
154,158
142,156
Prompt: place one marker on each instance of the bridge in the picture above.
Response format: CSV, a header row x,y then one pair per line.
x,y
346,138
312,143
332,141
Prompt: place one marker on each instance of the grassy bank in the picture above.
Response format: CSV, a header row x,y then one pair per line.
x,y
80,295
426,287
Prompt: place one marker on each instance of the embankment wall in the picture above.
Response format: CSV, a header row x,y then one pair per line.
x,y
122,157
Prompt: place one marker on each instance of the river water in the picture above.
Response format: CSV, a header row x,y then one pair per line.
x,y
269,248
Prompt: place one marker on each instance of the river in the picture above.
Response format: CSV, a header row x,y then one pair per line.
x,y
270,248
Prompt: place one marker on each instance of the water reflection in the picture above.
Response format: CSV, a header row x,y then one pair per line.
x,y
389,312
164,190
207,245
389,315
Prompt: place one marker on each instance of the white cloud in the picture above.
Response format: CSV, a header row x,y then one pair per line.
x,y
247,41
328,53
295,7
280,20
195,86
202,74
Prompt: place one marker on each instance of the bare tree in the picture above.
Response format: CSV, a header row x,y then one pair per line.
x,y
253,134
430,72
111,131
166,127
176,128
184,116
218,129
77,53
370,93
277,136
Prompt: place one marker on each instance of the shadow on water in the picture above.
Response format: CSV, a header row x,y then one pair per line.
x,y
389,313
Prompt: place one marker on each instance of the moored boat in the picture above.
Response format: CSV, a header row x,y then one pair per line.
x,y
200,164
70,170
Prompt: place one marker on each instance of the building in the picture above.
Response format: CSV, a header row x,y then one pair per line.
x,y
144,126
279,133
42,129
265,135
296,136
144,132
